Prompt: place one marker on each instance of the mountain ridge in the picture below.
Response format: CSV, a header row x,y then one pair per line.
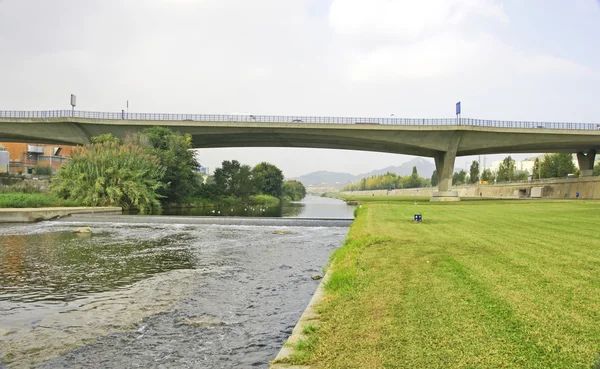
x,y
425,169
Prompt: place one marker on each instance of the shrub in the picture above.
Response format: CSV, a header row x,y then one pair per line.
x,y
43,170
109,174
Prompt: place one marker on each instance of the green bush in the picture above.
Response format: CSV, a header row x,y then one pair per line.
x,y
42,170
110,174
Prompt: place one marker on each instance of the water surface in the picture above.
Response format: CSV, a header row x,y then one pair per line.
x,y
158,291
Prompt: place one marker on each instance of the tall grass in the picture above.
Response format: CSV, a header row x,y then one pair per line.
x,y
111,174
32,200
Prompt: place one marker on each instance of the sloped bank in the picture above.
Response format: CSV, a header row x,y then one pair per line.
x,y
559,188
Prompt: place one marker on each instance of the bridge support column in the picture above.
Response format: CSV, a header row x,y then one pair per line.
x,y
444,165
586,163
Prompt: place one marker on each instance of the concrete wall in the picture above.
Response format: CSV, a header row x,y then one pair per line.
x,y
28,215
588,188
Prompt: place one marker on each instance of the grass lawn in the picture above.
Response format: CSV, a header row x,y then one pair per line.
x,y
482,284
32,200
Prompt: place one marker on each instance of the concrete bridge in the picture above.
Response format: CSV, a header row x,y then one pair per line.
x,y
441,139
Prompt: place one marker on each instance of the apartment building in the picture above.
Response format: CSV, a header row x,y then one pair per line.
x,y
24,157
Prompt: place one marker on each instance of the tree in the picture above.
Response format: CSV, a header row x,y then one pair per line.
x,y
536,169
506,171
234,179
597,170
269,179
105,137
434,178
174,152
414,180
487,175
459,177
557,165
109,174
521,175
474,172
293,190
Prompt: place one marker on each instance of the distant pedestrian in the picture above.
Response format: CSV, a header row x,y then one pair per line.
x,y
577,194
480,194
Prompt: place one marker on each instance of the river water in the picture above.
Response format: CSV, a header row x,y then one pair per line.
x,y
160,291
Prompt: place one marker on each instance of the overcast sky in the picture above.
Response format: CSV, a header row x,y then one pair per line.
x,y
523,60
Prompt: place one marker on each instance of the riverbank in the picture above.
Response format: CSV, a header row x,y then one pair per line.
x,y
477,284
29,215
33,200
552,188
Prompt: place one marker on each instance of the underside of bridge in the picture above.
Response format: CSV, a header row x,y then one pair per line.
x,y
443,143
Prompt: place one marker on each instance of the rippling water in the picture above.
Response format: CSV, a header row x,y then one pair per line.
x,y
156,291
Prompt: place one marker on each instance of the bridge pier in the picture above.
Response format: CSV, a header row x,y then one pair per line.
x,y
444,165
586,163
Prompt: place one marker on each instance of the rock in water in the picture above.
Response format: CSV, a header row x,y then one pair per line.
x,y
83,230
316,277
283,232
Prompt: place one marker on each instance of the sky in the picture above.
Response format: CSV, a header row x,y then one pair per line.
x,y
512,60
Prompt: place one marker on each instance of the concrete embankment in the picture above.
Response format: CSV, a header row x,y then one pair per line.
x,y
309,316
28,215
588,188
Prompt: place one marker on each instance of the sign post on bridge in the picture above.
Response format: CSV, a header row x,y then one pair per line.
x,y
73,102
458,113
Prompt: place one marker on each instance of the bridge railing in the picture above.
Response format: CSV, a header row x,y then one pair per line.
x,y
297,119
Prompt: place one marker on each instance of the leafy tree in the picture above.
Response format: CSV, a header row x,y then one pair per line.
x,y
557,165
174,152
388,181
521,175
597,170
536,169
474,172
506,171
487,175
109,174
414,180
234,179
105,137
434,178
269,179
294,190
459,178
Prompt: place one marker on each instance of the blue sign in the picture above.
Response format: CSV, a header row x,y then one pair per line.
x,y
458,108
418,218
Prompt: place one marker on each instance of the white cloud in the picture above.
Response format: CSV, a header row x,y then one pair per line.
x,y
388,40
406,20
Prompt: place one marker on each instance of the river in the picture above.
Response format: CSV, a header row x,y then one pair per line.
x,y
161,291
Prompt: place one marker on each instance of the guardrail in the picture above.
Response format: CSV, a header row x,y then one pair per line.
x,y
297,119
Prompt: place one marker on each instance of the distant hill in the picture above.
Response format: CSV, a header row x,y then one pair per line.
x,y
333,179
326,178
425,169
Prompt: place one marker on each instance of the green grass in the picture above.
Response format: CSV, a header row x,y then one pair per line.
x,y
486,284
32,200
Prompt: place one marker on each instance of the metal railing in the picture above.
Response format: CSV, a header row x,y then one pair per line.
x,y
298,119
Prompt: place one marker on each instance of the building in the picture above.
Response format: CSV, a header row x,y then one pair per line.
x,y
24,157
